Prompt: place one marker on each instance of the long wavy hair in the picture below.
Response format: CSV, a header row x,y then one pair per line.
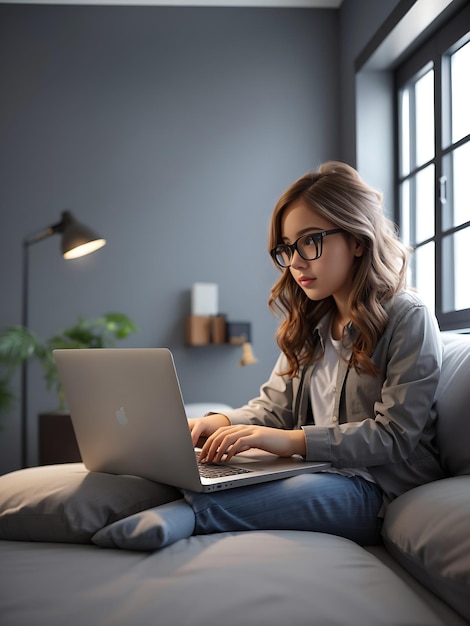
x,y
337,192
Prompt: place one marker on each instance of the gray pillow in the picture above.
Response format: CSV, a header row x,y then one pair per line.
x,y
67,503
427,530
151,529
453,405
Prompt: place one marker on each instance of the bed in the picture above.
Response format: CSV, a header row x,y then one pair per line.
x,y
80,548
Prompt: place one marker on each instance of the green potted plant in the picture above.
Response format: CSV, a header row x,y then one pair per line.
x,y
19,344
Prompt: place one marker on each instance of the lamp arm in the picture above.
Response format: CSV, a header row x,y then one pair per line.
x,y
43,234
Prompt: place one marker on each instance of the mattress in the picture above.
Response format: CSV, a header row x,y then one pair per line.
x,y
253,578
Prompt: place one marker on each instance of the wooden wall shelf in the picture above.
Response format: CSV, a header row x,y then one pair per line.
x,y
207,330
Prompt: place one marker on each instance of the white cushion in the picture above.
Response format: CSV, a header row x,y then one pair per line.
x,y
199,409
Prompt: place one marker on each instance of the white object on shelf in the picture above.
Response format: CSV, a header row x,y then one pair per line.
x,y
205,299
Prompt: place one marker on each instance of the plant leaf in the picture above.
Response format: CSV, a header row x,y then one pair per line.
x,y
17,344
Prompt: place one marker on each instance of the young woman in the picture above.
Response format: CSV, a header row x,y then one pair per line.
x,y
355,381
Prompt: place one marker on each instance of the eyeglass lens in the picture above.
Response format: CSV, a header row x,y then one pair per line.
x,y
308,246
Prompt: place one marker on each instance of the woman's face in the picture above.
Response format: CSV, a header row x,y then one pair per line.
x,y
330,274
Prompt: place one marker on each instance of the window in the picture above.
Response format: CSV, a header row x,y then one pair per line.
x,y
433,104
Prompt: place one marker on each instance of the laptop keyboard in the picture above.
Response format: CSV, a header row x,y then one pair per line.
x,y
219,470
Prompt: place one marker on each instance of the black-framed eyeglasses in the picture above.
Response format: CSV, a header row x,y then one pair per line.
x,y
309,247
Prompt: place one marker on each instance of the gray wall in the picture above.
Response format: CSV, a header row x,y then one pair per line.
x,y
359,21
172,131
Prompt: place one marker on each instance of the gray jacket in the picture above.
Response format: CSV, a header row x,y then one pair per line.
x,y
384,423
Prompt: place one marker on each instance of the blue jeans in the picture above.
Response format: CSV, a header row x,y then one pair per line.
x,y
322,502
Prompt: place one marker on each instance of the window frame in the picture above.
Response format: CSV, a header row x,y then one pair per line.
x,y
435,52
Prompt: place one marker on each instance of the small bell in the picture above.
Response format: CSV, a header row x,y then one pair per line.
x,y
248,358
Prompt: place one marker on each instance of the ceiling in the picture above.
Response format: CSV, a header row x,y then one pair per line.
x,y
309,4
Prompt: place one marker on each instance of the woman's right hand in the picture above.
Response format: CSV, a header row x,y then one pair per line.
x,y
203,427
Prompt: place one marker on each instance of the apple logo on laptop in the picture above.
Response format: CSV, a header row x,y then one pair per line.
x,y
121,416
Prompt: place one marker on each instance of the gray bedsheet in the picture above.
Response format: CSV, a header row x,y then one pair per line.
x,y
234,579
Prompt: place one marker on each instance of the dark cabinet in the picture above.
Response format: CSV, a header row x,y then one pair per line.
x,y
57,441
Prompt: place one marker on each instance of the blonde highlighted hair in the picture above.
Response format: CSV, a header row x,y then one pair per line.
x,y
337,192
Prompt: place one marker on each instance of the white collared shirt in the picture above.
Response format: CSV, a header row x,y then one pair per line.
x,y
323,387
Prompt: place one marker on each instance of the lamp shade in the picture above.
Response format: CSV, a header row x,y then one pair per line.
x,y
78,239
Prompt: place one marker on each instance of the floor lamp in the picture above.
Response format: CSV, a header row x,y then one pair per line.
x,y
77,240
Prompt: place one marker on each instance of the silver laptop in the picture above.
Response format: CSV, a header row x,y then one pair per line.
x,y
128,415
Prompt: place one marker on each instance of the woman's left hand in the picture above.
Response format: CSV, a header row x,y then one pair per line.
x,y
231,440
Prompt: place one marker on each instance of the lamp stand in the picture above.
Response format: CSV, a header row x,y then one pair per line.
x,y
77,240
24,367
